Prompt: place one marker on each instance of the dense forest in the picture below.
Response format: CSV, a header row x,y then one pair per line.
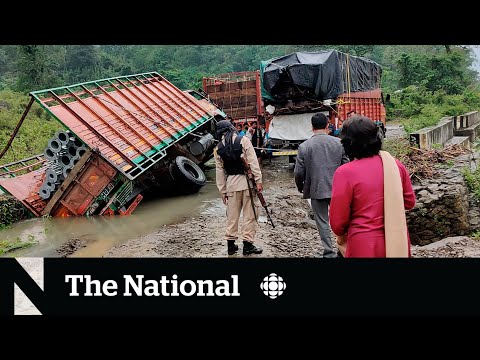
x,y
425,82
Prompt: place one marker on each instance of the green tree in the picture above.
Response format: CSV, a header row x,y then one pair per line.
x,y
82,62
443,71
31,67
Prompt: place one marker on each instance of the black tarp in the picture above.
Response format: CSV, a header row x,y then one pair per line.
x,y
317,75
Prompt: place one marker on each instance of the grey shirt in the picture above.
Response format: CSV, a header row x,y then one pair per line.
x,y
317,160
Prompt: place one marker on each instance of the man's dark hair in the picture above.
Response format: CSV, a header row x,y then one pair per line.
x,y
319,121
360,137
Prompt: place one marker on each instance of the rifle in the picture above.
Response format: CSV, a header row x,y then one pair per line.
x,y
249,174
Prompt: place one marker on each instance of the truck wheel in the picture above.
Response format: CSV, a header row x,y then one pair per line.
x,y
185,170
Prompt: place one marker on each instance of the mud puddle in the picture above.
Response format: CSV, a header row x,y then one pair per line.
x,y
94,236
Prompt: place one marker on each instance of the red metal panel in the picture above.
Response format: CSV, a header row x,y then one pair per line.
x,y
25,189
84,190
367,103
374,94
132,206
126,117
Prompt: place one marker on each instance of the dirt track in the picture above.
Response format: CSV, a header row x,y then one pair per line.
x,y
295,234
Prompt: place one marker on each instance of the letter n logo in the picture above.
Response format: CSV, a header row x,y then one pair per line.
x,y
21,286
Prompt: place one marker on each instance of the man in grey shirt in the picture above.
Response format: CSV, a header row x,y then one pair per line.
x,y
317,160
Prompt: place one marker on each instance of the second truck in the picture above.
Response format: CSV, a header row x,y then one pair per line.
x,y
288,90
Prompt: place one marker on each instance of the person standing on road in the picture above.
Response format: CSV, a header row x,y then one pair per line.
x,y
257,141
234,188
317,160
370,195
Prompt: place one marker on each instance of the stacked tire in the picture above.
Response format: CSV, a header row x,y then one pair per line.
x,y
63,152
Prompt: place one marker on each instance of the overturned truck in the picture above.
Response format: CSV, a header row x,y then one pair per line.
x,y
122,137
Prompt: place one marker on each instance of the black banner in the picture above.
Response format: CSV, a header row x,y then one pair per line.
x,y
247,287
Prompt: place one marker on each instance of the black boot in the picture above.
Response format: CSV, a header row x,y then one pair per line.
x,y
232,248
249,248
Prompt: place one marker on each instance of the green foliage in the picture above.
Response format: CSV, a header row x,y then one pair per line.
x,y
17,243
417,107
398,148
472,178
475,235
82,63
431,81
10,211
33,67
38,67
444,71
33,136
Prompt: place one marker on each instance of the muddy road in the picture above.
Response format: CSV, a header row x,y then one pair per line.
x,y
394,130
295,234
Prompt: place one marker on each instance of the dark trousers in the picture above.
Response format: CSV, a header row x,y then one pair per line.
x,y
320,213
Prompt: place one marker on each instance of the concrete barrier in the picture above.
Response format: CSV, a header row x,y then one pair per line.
x,y
459,140
472,132
466,120
438,134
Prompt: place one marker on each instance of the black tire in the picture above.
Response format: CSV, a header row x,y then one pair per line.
x,y
187,172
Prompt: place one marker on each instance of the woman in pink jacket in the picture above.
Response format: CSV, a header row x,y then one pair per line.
x,y
360,198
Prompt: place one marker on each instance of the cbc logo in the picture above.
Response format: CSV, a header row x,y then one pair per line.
x,y
273,286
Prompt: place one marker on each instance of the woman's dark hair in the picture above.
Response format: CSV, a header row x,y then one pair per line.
x,y
360,137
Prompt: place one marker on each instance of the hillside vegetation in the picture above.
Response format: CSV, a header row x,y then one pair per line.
x,y
425,82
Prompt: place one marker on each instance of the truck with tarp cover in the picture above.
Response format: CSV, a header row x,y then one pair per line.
x,y
122,137
288,90
296,86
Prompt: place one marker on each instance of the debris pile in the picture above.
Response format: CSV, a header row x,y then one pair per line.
x,y
420,162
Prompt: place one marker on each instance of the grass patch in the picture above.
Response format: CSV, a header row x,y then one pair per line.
x,y
475,235
472,178
397,147
10,245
